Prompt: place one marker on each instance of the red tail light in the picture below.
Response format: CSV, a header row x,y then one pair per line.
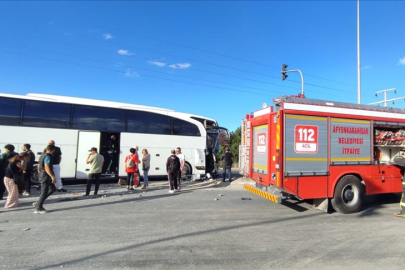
x,y
278,160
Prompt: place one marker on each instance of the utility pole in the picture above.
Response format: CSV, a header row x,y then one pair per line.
x,y
284,76
358,55
385,97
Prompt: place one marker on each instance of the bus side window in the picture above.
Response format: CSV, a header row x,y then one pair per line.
x,y
10,111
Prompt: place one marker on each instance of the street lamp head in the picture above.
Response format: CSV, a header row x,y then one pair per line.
x,y
375,94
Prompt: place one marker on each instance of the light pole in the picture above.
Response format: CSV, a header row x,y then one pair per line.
x,y
358,55
385,97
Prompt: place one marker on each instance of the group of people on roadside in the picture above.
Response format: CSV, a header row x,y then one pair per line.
x,y
132,164
17,167
175,166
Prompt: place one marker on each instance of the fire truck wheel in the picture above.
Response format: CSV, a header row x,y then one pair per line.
x,y
349,195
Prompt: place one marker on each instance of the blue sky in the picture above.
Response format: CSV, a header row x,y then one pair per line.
x,y
216,59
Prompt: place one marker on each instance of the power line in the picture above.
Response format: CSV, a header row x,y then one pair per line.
x,y
223,55
243,70
137,57
145,69
223,66
148,76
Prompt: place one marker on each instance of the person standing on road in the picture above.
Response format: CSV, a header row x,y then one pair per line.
x,y
131,166
4,160
401,212
137,165
172,168
96,162
56,159
145,168
46,178
28,168
14,169
227,164
182,159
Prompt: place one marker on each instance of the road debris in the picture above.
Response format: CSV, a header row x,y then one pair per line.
x,y
248,199
26,229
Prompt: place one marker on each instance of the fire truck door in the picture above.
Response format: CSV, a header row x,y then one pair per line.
x,y
260,142
305,145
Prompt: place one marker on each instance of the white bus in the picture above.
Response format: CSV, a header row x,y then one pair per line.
x,y
77,124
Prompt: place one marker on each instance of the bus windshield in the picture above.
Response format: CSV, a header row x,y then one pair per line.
x,y
217,136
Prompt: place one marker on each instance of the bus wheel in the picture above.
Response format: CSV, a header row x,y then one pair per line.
x,y
349,195
35,177
186,173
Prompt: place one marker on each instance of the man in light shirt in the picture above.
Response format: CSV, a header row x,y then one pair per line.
x,y
182,158
96,162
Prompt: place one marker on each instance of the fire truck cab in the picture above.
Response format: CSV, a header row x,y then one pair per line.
x,y
326,151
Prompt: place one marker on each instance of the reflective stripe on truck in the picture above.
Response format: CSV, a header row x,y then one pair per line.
x,y
264,194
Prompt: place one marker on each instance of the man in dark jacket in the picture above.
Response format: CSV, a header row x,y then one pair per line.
x,y
112,154
227,164
28,168
172,168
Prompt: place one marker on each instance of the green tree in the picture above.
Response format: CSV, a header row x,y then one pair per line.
x,y
234,142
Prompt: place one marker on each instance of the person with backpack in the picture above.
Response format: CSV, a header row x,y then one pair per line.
x,y
4,161
172,168
131,166
137,168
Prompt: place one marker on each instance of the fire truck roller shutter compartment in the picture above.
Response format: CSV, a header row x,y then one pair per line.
x,y
350,141
306,145
260,149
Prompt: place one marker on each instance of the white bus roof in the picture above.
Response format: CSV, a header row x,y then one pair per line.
x,y
100,103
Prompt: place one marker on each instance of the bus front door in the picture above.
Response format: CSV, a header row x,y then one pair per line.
x,y
87,140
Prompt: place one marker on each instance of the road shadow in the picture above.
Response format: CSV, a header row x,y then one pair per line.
x,y
171,238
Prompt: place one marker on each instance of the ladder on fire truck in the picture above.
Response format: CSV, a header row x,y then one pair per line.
x,y
244,149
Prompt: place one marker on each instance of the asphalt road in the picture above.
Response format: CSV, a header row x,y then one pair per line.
x,y
207,225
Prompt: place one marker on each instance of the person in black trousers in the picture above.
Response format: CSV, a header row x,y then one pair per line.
x,y
227,164
28,168
112,151
172,168
46,177
96,162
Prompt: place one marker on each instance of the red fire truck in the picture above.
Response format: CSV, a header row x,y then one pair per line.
x,y
326,151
